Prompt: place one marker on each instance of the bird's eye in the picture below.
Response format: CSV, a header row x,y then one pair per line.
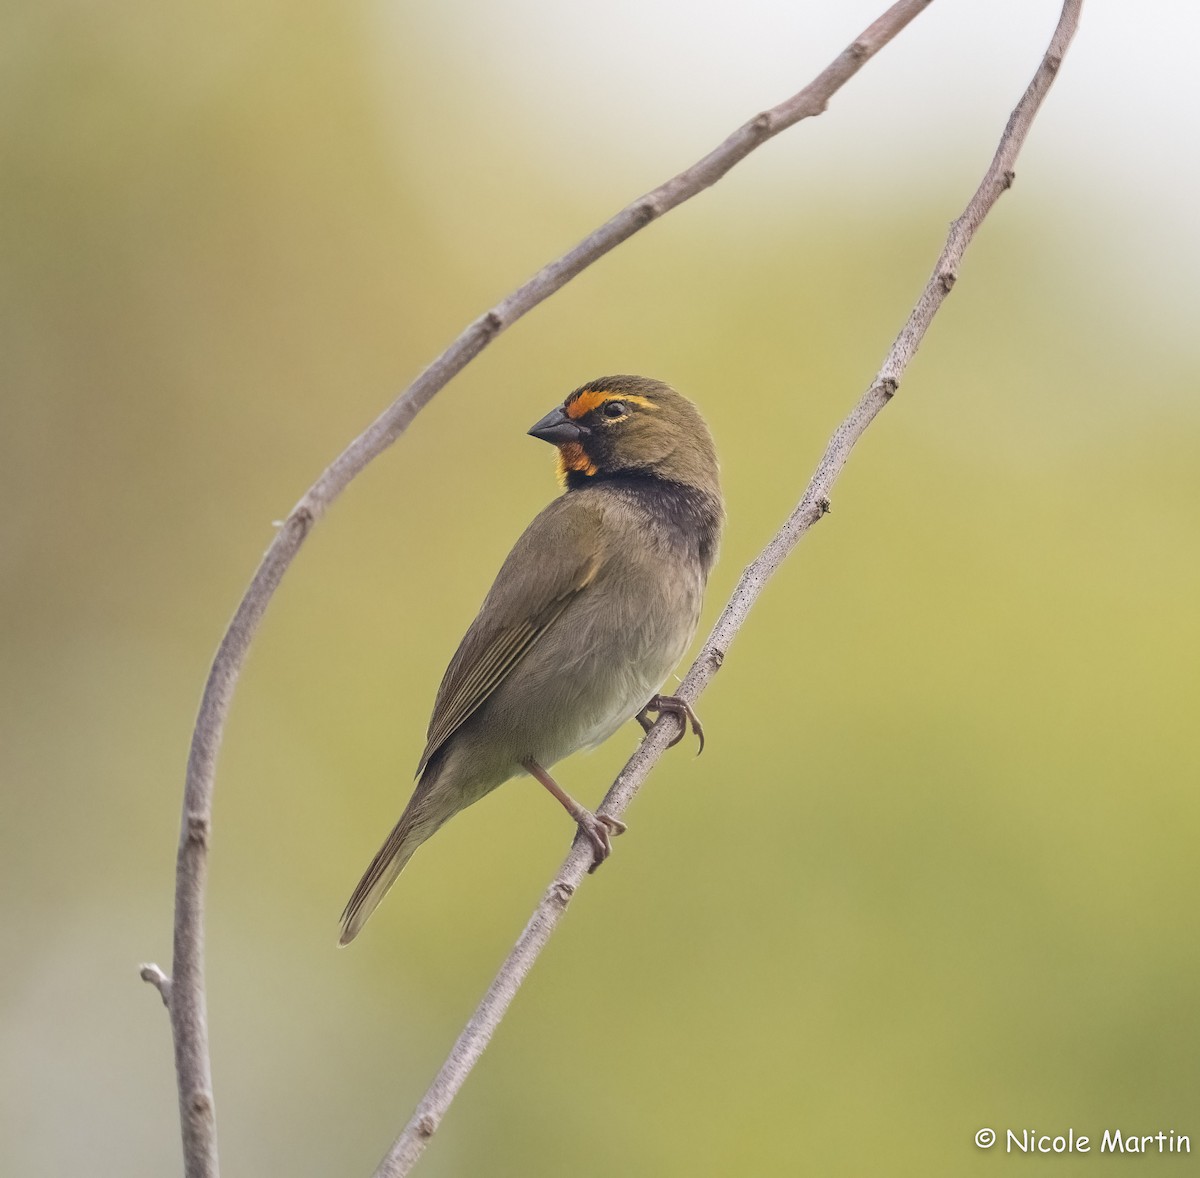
x,y
615,409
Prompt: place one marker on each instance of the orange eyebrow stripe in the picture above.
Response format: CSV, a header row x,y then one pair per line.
x,y
586,402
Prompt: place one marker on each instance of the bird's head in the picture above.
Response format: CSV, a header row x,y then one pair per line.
x,y
630,425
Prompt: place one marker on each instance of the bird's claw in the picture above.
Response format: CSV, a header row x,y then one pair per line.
x,y
598,829
681,710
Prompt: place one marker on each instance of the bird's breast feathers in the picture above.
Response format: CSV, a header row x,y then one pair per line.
x,y
593,608
611,648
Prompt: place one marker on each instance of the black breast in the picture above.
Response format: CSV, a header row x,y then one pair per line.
x,y
684,516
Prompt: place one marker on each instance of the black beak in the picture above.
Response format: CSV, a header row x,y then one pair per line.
x,y
557,428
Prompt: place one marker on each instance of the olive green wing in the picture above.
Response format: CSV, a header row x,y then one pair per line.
x,y
553,562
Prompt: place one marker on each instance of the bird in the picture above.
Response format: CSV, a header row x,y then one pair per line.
x,y
591,611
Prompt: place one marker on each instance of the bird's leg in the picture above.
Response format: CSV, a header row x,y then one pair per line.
x,y
597,828
681,710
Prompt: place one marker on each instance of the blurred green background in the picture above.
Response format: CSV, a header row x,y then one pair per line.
x,y
937,868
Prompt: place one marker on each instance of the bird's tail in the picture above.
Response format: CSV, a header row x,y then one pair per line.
x,y
415,826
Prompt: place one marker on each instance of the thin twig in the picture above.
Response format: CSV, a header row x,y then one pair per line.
x,y
188,1007
159,980
409,1146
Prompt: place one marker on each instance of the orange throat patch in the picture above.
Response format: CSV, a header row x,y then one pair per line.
x,y
571,457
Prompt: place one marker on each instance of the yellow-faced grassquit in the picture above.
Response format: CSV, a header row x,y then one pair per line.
x,y
590,613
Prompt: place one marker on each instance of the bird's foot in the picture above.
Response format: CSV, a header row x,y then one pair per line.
x,y
681,710
598,829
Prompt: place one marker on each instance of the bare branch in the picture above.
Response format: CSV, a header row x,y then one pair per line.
x,y
188,1007
409,1146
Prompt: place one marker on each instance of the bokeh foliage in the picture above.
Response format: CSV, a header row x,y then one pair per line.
x,y
936,870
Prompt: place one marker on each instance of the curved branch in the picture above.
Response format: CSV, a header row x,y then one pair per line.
x,y
188,1007
409,1146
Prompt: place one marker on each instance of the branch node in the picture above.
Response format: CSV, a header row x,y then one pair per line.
x,y
888,386
1009,177
760,125
947,278
823,506
198,828
717,655
646,210
492,323
858,51
302,518
155,977
427,1125
200,1104
561,892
